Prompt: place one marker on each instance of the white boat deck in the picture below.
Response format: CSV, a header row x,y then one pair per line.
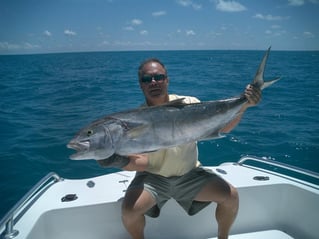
x,y
269,208
271,234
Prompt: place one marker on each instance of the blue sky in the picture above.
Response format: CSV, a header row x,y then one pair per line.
x,y
45,26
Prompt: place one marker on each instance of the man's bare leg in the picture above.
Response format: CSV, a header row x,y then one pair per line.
x,y
134,206
226,197
226,213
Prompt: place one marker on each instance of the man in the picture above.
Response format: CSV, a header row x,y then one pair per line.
x,y
176,172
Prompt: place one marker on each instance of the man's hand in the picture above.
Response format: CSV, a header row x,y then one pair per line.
x,y
138,162
253,95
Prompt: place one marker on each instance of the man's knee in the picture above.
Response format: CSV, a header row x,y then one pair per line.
x,y
233,197
129,207
137,202
230,193
129,213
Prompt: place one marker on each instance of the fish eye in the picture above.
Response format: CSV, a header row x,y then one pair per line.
x,y
89,133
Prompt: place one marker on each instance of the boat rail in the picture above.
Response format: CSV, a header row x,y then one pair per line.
x,y
11,218
302,171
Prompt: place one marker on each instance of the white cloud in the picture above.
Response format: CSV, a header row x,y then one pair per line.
x,y
184,3
275,26
129,28
269,17
229,6
144,32
9,46
275,32
136,22
158,13
190,33
224,28
104,44
132,24
134,44
196,6
47,33
6,46
215,34
280,33
29,46
69,33
309,34
189,3
296,2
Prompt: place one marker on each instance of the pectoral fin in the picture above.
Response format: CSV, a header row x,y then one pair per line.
x,y
114,161
178,103
211,136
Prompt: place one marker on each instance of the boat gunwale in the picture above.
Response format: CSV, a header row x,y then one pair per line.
x,y
295,169
18,210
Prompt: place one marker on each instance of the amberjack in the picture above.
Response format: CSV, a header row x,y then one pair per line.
x,y
148,129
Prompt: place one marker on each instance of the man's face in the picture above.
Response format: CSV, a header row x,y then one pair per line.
x,y
154,83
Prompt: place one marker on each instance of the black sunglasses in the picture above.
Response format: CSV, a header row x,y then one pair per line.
x,y
149,78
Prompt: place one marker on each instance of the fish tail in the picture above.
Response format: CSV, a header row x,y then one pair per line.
x,y
259,77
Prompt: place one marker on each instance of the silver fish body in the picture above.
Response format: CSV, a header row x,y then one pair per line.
x,y
148,129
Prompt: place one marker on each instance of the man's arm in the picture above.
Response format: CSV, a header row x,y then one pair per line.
x,y
138,162
253,95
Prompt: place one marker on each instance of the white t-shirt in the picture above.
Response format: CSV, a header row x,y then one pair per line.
x,y
175,161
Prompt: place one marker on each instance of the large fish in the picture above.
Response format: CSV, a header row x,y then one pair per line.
x,y
148,129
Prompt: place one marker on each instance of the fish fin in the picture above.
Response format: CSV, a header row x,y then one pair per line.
x,y
147,152
259,77
114,161
269,83
179,101
212,135
175,103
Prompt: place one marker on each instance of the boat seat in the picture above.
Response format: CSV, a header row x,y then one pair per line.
x,y
273,234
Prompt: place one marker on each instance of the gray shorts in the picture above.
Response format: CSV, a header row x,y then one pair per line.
x,y
181,188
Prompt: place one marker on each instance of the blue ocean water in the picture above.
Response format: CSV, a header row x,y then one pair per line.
x,y
46,99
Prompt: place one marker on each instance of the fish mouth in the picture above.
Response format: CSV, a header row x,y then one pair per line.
x,y
81,148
